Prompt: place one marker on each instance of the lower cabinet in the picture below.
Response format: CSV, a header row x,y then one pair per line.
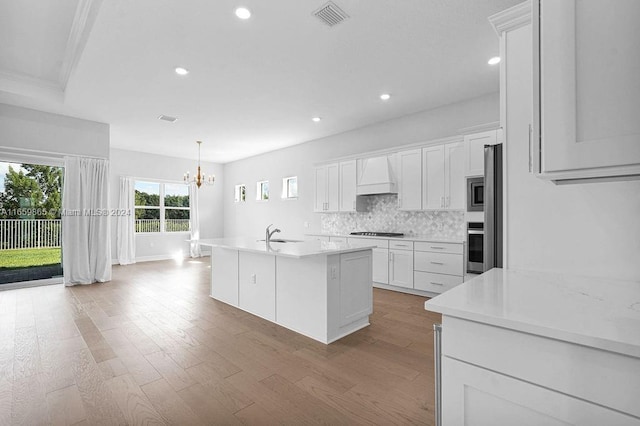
x,y
381,265
489,398
438,266
401,268
224,275
257,284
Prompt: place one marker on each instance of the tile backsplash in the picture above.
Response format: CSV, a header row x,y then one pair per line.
x,y
382,215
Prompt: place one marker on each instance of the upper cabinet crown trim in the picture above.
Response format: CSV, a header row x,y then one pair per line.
x,y
512,18
494,125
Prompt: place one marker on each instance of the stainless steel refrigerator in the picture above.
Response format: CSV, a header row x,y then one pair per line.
x,y
492,244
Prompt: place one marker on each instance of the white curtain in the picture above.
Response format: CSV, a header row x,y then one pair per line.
x,y
86,240
194,219
126,232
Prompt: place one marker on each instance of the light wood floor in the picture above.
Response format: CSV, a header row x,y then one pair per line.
x,y
152,347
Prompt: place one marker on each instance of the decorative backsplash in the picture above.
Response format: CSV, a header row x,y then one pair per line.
x,y
382,215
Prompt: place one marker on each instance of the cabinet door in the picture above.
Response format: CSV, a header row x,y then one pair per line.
x,y
320,202
474,395
410,191
433,178
333,188
401,268
454,181
257,284
348,186
380,270
586,88
474,151
224,275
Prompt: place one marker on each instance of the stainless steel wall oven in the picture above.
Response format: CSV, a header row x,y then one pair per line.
x,y
475,244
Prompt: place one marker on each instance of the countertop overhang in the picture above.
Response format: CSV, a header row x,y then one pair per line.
x,y
289,249
428,238
594,312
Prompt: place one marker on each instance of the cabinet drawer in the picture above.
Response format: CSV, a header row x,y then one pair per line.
x,y
440,263
401,245
438,247
435,283
338,239
363,242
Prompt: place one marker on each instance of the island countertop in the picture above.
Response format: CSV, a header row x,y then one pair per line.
x,y
594,312
297,249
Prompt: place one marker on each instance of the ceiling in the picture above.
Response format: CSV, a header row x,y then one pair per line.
x,y
253,85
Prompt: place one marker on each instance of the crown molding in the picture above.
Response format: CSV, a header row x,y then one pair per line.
x,y
512,18
33,87
485,127
83,20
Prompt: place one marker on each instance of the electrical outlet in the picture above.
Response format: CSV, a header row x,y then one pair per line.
x,y
253,278
306,224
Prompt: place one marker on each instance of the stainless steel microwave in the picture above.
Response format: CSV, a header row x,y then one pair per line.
x,y
475,194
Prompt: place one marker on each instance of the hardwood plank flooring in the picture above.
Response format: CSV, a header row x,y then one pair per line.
x,y
151,347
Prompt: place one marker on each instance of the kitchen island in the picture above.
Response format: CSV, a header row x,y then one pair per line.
x,y
538,348
320,289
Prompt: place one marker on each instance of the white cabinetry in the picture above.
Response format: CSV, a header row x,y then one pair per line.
x,y
224,275
326,188
438,266
443,185
474,151
410,174
257,284
348,186
401,264
586,91
380,269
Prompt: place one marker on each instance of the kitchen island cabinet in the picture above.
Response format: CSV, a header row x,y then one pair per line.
x,y
537,348
320,289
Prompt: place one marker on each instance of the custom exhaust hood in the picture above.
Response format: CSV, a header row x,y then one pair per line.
x,y
376,176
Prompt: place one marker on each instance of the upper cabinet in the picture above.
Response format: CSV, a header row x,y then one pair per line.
x,y
347,188
586,89
410,180
443,179
474,151
326,188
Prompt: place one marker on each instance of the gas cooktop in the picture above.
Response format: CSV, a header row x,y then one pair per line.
x,y
379,234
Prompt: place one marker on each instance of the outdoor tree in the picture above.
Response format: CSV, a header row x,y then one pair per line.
x,y
37,190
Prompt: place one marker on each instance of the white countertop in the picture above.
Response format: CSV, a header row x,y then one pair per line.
x,y
289,249
599,313
430,238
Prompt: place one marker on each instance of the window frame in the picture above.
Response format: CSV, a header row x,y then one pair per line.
x,y
285,187
162,208
259,187
240,193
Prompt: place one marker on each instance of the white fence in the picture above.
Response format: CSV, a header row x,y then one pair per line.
x,y
170,225
41,233
29,233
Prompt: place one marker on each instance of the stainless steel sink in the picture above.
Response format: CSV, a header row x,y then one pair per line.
x,y
282,240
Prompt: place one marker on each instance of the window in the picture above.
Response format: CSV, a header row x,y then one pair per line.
x,y
290,187
240,193
161,207
262,190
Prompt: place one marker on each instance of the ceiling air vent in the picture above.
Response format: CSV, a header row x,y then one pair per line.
x,y
330,14
168,118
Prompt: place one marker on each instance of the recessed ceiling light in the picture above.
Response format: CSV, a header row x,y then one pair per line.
x,y
495,60
182,71
168,118
385,96
243,13
316,119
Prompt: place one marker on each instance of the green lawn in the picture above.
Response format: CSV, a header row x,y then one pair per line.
x,y
23,258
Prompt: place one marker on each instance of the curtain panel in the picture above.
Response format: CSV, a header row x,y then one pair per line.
x,y
194,218
86,239
125,222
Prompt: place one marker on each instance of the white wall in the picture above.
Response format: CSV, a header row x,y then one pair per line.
x,y
250,218
586,229
28,129
150,167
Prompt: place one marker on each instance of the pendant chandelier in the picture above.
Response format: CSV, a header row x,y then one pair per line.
x,y
200,177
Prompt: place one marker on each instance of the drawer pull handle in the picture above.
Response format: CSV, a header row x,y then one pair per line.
x,y
437,248
437,263
435,283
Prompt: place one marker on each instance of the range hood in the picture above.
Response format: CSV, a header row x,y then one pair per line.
x,y
376,176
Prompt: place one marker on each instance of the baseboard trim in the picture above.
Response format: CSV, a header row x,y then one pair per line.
x,y
156,258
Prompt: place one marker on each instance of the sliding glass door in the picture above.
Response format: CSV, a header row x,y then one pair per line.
x,y
30,225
